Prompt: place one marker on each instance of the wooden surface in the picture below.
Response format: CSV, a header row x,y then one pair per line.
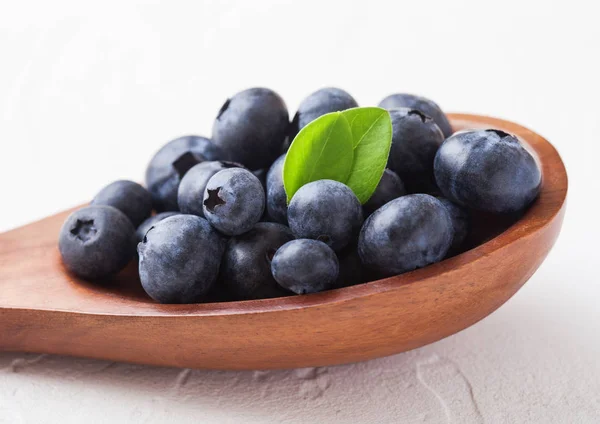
x,y
43,309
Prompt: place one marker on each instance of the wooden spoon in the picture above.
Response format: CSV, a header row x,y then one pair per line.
x,y
44,309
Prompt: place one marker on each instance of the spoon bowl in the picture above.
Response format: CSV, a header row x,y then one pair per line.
x,y
47,310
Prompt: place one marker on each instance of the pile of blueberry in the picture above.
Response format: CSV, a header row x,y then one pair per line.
x,y
223,222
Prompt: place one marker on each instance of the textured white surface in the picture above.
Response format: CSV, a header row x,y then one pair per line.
x,y
88,93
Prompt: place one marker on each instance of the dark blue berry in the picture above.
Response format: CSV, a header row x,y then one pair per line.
x,y
426,106
487,170
145,226
305,266
406,233
389,188
234,201
190,193
325,210
96,242
319,103
276,197
251,127
461,222
351,270
246,268
129,197
179,259
415,140
171,162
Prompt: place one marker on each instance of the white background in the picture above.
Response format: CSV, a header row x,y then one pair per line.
x,y
89,91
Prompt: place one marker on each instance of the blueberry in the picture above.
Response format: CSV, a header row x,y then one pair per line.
x,y
305,266
145,226
234,200
422,104
389,188
351,271
415,140
190,193
261,174
321,102
406,233
276,197
129,197
171,162
325,210
461,222
96,242
246,268
179,259
487,170
251,127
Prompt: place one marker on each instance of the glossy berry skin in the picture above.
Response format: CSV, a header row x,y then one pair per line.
x,y
129,197
305,266
325,210
171,162
190,193
406,233
422,104
461,222
251,127
179,259
415,140
276,197
246,267
96,242
487,170
145,226
319,103
389,188
234,201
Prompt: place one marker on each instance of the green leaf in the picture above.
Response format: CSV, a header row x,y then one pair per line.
x,y
322,150
371,138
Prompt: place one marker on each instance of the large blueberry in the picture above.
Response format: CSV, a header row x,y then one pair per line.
x,y
234,200
406,233
145,226
487,170
179,259
171,162
129,197
246,268
389,188
305,266
461,222
325,210
321,102
276,197
423,104
190,193
251,127
415,140
96,242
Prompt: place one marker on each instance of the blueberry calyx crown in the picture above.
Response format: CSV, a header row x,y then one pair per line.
x,y
213,199
84,230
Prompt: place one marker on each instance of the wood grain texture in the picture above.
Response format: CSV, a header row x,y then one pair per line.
x,y
44,309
